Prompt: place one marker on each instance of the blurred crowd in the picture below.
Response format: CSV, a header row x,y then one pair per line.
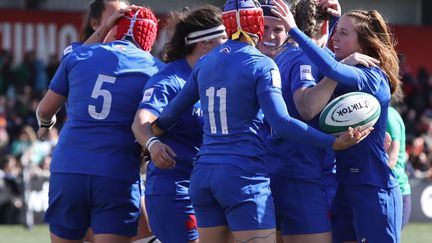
x,y
22,86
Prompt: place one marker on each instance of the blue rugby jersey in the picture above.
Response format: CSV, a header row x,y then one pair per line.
x,y
233,81
287,157
103,84
184,138
366,162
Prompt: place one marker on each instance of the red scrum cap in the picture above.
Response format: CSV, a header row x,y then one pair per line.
x,y
141,25
243,16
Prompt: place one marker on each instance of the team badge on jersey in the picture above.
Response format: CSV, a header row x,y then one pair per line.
x,y
67,50
120,47
147,95
276,78
226,49
306,72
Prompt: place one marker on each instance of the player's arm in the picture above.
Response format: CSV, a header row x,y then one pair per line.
x,y
53,100
393,151
186,98
161,154
331,68
310,101
159,90
309,97
276,113
46,110
103,30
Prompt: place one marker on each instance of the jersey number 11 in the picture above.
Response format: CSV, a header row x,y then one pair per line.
x,y
222,95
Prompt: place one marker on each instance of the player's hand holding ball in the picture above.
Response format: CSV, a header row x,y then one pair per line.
x,y
351,137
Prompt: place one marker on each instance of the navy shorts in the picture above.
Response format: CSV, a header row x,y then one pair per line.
x,y
77,202
227,195
171,217
301,206
366,213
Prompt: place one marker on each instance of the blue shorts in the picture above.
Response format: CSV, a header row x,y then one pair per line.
x,y
227,195
367,213
301,206
77,202
330,185
171,217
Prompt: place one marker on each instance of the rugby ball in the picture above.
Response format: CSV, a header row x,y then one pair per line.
x,y
349,110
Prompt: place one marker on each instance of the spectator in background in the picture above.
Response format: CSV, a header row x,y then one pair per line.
x,y
7,75
10,190
24,141
52,66
4,136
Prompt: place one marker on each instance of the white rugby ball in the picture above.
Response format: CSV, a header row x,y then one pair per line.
x,y
349,110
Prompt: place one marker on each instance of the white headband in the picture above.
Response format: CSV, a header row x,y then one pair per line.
x,y
203,35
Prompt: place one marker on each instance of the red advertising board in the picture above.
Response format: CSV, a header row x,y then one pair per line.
x,y
46,33
415,43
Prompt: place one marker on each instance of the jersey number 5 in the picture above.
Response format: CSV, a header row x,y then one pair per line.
x,y
222,94
106,95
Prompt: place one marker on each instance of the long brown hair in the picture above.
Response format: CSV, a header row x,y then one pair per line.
x,y
97,7
183,23
377,41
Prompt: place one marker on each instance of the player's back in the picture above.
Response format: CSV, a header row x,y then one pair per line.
x,y
228,88
104,86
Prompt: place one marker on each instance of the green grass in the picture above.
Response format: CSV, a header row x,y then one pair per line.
x,y
412,233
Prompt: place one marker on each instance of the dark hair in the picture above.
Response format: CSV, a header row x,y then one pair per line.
x,y
96,10
377,41
309,16
184,22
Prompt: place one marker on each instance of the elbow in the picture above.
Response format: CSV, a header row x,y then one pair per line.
x,y
43,113
134,128
279,126
306,114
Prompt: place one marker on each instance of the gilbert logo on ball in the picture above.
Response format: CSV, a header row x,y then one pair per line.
x,y
349,110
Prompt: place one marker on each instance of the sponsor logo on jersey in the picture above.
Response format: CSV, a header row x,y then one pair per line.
x,y
354,170
196,111
147,95
276,78
306,72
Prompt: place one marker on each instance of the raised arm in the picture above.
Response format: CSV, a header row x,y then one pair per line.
x,y
101,33
327,64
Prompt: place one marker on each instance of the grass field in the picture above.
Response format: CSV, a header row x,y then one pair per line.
x,y
412,233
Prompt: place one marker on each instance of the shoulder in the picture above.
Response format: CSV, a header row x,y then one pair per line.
x,y
70,48
372,72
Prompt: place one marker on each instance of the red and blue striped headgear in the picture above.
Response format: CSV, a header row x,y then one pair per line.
x,y
139,24
243,17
